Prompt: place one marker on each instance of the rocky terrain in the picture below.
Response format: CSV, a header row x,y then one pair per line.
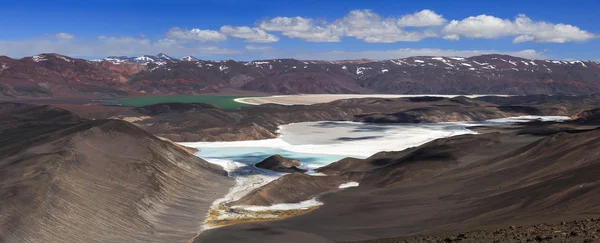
x,y
64,178
54,75
200,122
585,231
279,163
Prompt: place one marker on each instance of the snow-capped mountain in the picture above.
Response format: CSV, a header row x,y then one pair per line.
x,y
189,59
161,74
160,57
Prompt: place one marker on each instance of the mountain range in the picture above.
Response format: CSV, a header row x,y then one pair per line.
x,y
55,75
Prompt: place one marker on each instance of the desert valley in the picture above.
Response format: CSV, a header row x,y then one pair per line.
x,y
299,121
356,167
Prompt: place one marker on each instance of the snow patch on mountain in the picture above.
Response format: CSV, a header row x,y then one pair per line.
x,y
189,59
39,58
360,70
144,59
4,67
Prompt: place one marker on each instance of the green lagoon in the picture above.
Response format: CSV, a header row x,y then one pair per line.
x,y
223,102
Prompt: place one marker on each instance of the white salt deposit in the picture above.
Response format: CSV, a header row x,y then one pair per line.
x,y
348,185
309,99
286,206
359,139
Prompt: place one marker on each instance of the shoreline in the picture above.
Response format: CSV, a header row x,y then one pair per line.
x,y
310,99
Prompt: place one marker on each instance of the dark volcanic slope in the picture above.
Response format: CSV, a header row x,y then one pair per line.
x,y
60,76
452,184
66,179
586,231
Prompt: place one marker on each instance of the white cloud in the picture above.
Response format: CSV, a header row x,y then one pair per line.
x,y
316,34
364,24
300,28
255,35
408,52
64,36
258,48
453,37
490,27
284,24
371,27
482,26
523,38
421,19
196,34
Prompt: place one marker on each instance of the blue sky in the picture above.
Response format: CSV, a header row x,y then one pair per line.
x,y
308,29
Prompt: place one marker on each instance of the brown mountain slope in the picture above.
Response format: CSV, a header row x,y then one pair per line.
x,y
65,179
48,75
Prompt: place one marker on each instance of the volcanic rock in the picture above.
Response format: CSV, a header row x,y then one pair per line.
x,y
279,163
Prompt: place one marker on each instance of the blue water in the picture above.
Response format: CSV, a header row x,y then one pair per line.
x,y
254,155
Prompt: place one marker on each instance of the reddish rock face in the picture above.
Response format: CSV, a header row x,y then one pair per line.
x,y
49,75
61,76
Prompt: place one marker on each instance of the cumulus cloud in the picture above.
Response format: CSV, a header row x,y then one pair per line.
x,y
300,28
196,34
366,25
316,34
284,24
362,24
371,27
255,35
423,18
525,29
64,36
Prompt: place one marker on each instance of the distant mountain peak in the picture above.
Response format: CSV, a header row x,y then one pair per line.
x,y
144,59
164,56
189,59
